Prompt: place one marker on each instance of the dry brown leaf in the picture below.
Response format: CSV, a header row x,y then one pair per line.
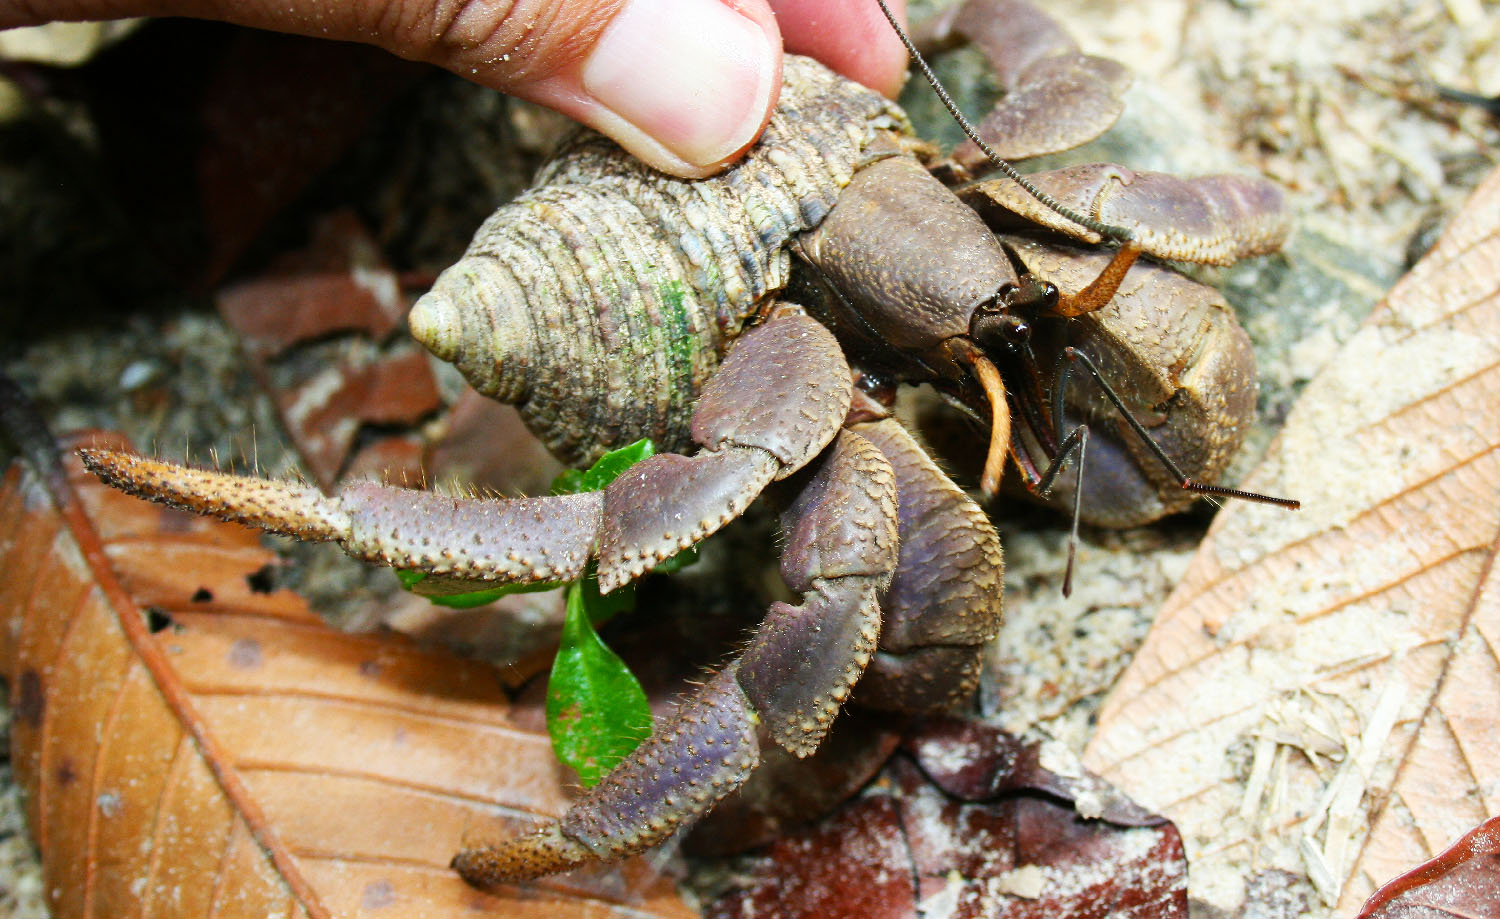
x,y
193,746
1318,699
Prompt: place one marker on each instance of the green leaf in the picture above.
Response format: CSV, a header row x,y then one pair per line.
x,y
605,470
490,594
596,710
447,592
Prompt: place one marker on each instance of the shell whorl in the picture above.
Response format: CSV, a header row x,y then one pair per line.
x,y
601,299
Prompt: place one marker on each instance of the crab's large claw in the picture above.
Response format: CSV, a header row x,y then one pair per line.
x,y
777,401
841,531
1056,97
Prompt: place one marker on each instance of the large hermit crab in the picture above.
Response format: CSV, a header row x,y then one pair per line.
x,y
603,301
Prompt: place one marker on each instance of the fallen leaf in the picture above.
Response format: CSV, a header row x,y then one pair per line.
x,y
1006,845
192,745
1463,881
1317,699
324,331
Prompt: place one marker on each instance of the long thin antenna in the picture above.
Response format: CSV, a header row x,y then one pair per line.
x,y
1109,231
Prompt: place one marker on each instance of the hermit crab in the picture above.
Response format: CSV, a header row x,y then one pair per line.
x,y
611,303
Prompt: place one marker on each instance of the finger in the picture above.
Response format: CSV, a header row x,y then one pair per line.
x,y
686,85
850,36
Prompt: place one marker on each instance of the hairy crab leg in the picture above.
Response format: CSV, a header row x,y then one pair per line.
x,y
779,398
943,604
803,662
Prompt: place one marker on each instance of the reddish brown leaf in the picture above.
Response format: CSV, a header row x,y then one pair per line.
x,y
1462,881
910,848
466,451
323,329
192,746
976,762
1317,699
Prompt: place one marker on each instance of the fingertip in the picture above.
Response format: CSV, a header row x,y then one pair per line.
x,y
686,85
851,37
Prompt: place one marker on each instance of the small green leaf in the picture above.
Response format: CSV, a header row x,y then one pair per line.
x,y
490,594
570,482
449,592
596,710
605,470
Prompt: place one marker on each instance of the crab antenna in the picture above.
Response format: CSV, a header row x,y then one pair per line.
x,y
994,389
1109,231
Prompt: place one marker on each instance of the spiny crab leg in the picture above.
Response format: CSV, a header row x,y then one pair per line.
x,y
943,603
803,662
779,398
1208,220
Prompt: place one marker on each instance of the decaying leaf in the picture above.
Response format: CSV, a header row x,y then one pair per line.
x,y
192,745
1462,881
969,822
324,331
1317,700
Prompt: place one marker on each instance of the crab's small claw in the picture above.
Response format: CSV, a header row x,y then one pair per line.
x,y
943,604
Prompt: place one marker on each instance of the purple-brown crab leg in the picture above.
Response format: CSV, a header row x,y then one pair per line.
x,y
943,604
1212,220
779,398
804,660
1056,97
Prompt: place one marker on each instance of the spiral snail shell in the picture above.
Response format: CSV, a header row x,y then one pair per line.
x,y
600,300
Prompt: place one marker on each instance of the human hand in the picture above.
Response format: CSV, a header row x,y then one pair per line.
x,y
686,85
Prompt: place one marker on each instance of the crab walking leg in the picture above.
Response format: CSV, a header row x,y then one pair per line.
x,y
943,604
792,678
1208,220
779,398
1056,97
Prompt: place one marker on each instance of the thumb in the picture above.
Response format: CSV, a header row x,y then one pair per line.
x,y
685,85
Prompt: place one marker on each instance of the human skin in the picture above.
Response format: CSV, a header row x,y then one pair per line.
x,y
686,85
